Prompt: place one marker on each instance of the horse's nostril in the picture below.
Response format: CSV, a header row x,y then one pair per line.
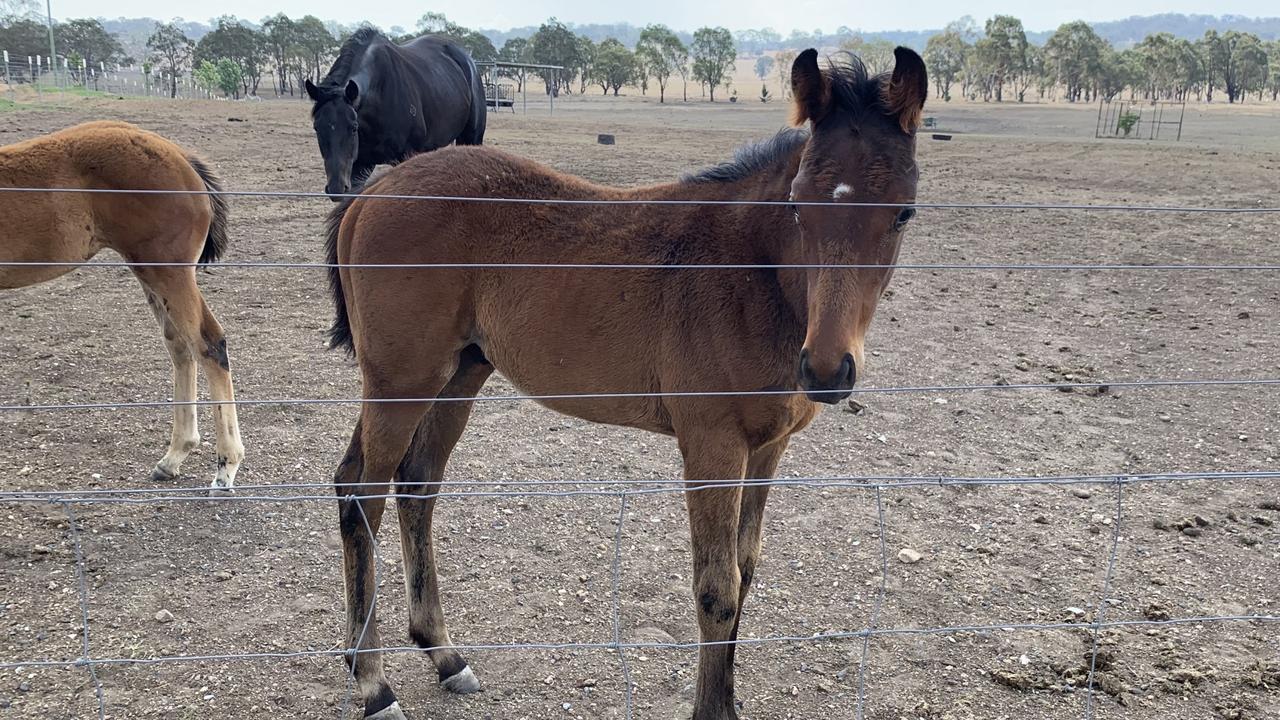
x,y
850,369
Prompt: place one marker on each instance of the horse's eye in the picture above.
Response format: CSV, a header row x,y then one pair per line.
x,y
355,129
903,218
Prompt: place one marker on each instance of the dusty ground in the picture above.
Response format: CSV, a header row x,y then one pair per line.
x,y
263,577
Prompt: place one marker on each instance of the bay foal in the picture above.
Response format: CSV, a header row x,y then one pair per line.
x,y
71,227
440,333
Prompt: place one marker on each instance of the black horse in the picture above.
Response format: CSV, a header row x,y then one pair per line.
x,y
382,102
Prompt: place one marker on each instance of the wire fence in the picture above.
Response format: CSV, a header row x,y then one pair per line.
x,y
626,491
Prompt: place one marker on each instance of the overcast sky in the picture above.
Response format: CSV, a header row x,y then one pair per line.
x,y
679,14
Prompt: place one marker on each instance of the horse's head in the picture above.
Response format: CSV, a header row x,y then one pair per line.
x,y
860,152
338,131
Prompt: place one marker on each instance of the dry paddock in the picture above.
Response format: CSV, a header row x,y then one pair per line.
x,y
246,577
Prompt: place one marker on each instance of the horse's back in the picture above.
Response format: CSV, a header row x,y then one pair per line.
x,y
72,227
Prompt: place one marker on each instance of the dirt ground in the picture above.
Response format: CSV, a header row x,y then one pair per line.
x,y
246,577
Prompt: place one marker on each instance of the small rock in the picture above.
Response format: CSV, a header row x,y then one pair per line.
x,y
1160,524
1263,520
24,687
1242,315
1022,365
1201,521
604,139
1192,531
589,682
1076,612
1082,493
164,616
1156,611
1024,660
853,407
222,576
40,550
26,470
1250,540
909,556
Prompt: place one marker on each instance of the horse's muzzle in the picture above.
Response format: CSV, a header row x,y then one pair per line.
x,y
829,390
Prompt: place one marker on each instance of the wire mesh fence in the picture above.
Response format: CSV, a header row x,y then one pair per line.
x,y
627,492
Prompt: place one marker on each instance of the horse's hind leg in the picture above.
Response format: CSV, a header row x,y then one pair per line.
x,y
420,474
378,448
194,326
185,436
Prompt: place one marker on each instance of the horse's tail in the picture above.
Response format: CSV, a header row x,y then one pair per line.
x,y
340,331
215,243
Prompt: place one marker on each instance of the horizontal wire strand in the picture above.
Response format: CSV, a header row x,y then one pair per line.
x,y
603,488
271,265
610,645
660,202
917,389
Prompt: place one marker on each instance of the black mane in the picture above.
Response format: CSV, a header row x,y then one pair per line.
x,y
752,158
351,49
852,87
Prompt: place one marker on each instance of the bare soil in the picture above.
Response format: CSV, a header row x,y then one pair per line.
x,y
253,577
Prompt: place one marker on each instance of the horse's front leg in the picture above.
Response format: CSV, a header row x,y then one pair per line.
x,y
710,461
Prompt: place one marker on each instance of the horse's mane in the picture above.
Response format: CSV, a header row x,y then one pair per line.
x,y
852,87
752,158
351,49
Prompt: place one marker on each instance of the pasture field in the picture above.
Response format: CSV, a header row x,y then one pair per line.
x,y
219,577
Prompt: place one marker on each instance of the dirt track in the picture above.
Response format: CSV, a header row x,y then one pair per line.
x,y
264,577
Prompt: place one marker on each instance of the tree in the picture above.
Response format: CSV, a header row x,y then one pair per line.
x,y
944,53
315,43
24,36
876,55
280,36
172,50
555,44
514,50
244,47
786,59
1005,51
713,54
89,41
585,62
764,66
615,66
1237,60
1074,54
1273,69
662,55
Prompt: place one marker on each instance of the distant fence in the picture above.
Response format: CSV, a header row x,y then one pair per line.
x,y
1141,119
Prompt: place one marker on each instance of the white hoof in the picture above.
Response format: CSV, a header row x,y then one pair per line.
x,y
390,712
464,682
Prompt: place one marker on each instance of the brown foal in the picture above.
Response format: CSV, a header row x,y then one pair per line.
x,y
437,332
70,227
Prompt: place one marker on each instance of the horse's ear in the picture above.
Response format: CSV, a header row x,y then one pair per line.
x,y
811,90
352,91
907,89
311,90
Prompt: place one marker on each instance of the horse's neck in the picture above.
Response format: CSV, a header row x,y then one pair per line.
x,y
768,234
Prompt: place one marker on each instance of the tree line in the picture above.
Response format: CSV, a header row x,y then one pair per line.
x,y
995,62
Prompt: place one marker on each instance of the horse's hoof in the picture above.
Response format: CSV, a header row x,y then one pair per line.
x,y
463,682
161,475
390,712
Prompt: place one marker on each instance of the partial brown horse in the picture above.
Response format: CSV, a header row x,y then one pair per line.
x,y
436,333
71,227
